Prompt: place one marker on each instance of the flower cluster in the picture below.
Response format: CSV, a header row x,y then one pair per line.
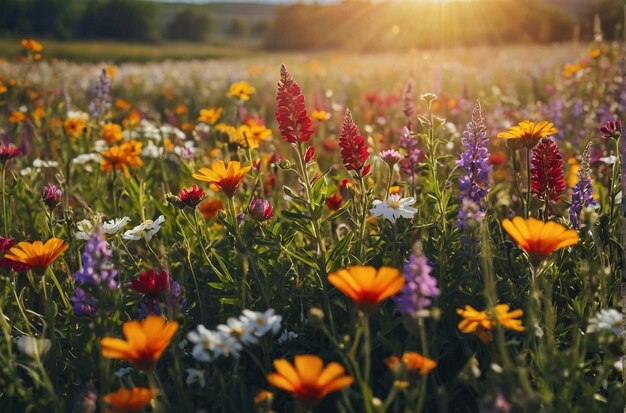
x,y
474,185
547,180
145,230
293,121
229,339
96,275
122,157
160,293
354,152
420,287
582,192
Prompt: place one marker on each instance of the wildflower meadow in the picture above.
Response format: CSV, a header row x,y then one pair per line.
x,y
402,232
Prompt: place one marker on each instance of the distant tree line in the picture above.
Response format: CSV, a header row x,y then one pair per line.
x,y
401,25
133,20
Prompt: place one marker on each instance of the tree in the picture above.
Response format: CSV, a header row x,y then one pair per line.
x,y
120,20
238,27
189,25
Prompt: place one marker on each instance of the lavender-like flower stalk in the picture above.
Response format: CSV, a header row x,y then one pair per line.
x,y
582,192
420,286
474,185
100,96
97,272
409,105
412,153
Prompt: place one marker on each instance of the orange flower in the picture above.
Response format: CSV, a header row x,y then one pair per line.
x,y
112,132
145,341
508,319
210,115
209,207
32,45
121,104
129,400
539,239
366,286
308,379
527,134
120,157
320,115
181,109
17,117
476,321
225,177
413,363
38,256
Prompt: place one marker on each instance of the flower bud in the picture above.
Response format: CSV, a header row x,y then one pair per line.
x,y
310,154
51,195
260,210
191,197
316,317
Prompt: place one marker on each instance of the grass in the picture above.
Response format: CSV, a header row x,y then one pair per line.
x,y
97,50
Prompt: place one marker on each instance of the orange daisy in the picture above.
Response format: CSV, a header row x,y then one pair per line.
x,y
146,340
539,239
527,134
509,319
413,363
225,177
129,400
120,157
366,286
308,379
38,256
476,321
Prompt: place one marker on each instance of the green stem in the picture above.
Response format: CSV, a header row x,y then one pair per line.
x,y
363,244
5,222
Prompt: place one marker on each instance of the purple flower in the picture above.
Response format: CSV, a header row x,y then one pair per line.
x,y
474,185
420,286
100,96
409,105
51,195
84,304
260,210
611,130
412,153
167,301
97,272
582,192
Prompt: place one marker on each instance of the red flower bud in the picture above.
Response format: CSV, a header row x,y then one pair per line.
x,y
151,282
191,197
310,154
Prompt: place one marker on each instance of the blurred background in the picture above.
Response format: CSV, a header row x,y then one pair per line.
x,y
119,30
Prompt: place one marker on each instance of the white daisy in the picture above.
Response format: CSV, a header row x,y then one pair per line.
x,y
241,329
394,207
203,340
114,225
606,320
146,230
262,323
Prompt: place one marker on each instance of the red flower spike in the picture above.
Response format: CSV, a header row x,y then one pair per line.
x,y
547,180
293,121
310,154
353,148
151,282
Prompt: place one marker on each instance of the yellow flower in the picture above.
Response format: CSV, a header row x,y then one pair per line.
x,y
146,340
38,114
38,256
414,364
595,52
308,380
129,400
210,115
508,319
225,177
112,132
539,239
181,109
252,135
241,90
572,172
320,115
17,117
111,71
366,285
527,134
74,127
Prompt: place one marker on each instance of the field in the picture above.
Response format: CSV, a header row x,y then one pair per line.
x,y
433,231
